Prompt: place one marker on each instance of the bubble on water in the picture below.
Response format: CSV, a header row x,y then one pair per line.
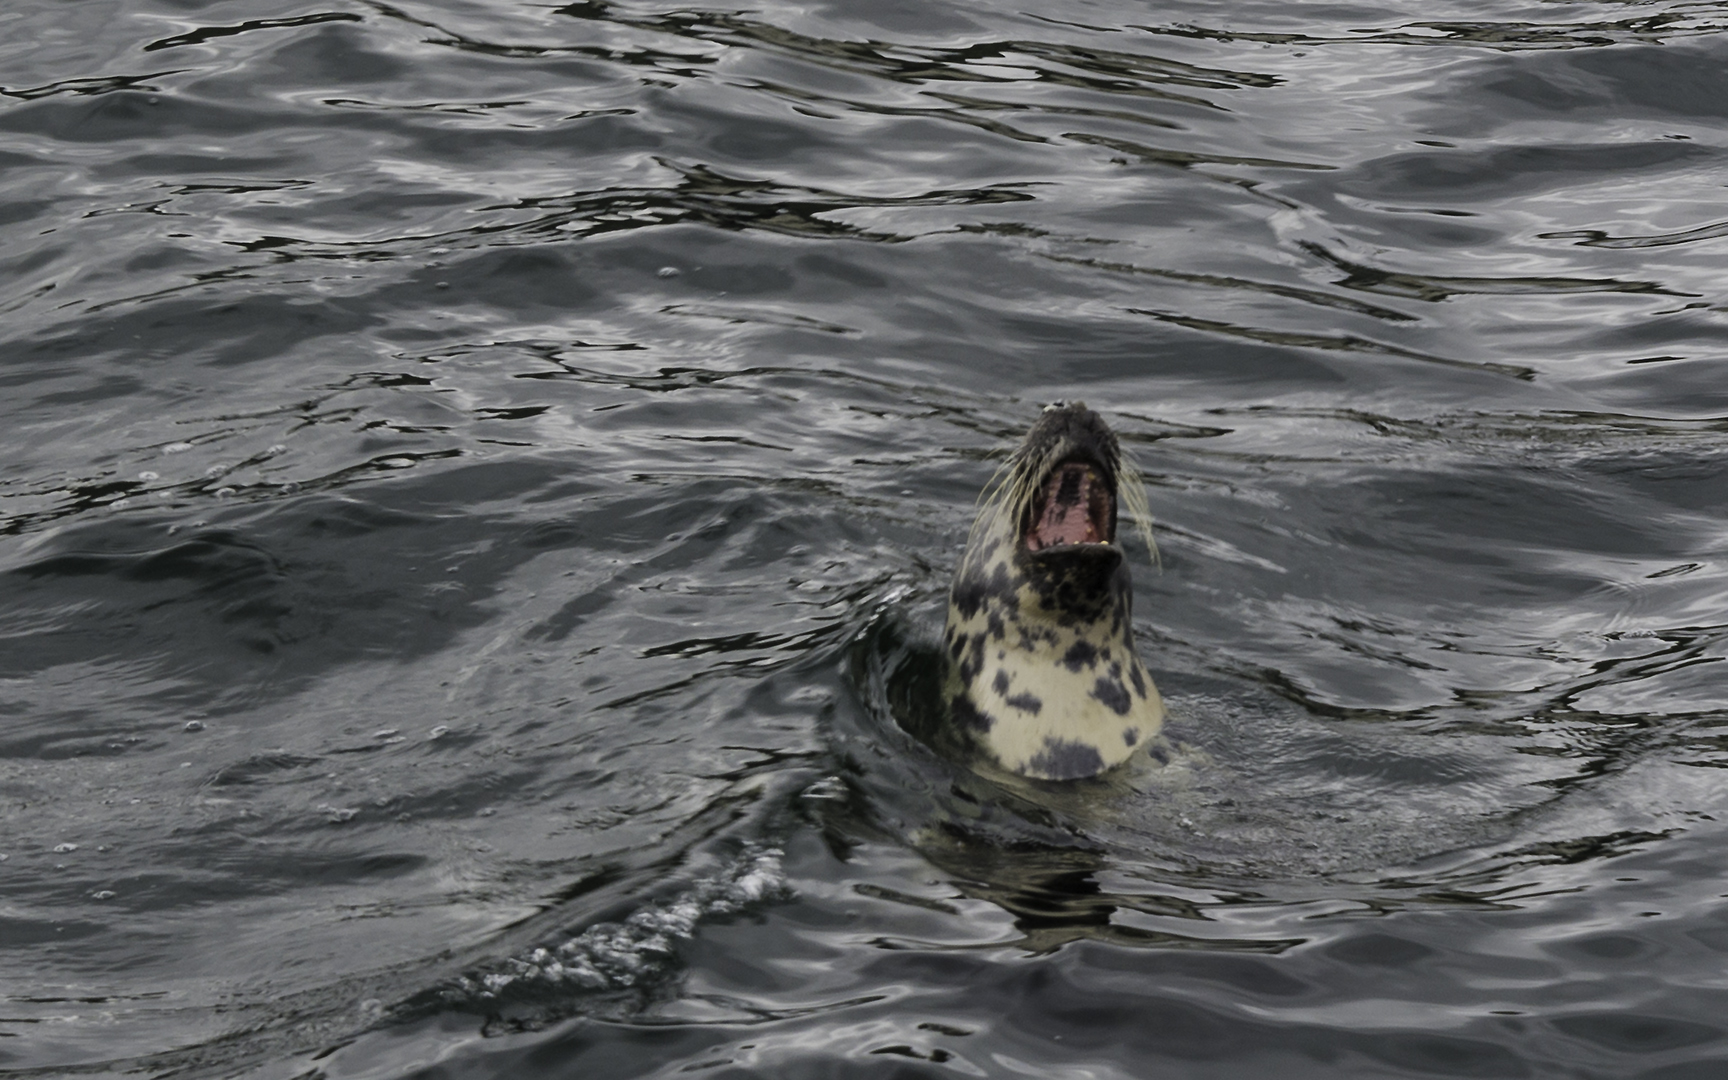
x,y
148,475
667,272
617,956
385,733
193,725
396,462
438,732
104,894
63,849
177,448
215,470
338,814
371,1011
276,448
225,492
829,787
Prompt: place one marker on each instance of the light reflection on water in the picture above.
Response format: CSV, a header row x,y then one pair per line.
x,y
482,481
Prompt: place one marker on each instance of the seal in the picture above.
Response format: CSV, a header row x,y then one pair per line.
x,y
1042,675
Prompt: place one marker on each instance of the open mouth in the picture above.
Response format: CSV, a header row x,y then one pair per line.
x,y
1074,506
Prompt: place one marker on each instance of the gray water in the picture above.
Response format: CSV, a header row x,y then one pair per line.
x,y
481,481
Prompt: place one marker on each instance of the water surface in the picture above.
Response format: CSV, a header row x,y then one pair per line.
x,y
481,482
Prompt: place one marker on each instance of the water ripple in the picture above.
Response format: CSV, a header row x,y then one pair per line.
x,y
483,482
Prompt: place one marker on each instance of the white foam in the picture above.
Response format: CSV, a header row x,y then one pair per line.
x,y
617,956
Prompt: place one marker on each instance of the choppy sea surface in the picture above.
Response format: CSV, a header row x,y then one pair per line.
x,y
479,483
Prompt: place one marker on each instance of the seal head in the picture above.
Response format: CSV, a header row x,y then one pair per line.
x,y
1042,674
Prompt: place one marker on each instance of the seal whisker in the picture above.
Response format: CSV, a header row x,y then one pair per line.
x,y
1131,490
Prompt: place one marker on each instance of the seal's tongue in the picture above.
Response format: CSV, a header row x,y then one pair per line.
x,y
1073,508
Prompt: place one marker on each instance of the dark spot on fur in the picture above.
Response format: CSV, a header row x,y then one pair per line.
x,y
967,716
1080,654
967,596
1033,636
1161,755
1025,703
1114,695
1139,680
957,646
1131,735
1001,682
997,629
973,664
973,589
1064,759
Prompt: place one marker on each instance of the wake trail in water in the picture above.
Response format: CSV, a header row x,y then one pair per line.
x,y
638,951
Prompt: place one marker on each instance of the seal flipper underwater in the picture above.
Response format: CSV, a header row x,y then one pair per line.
x,y
1042,674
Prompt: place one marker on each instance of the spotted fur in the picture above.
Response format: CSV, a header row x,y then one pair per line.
x,y
1042,674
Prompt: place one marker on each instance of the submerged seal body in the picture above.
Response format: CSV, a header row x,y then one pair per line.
x,y
1042,674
